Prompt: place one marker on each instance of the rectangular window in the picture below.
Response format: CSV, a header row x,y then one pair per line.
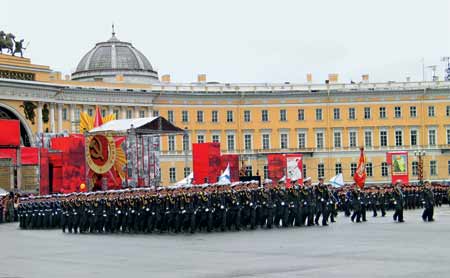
x,y
448,167
171,142
172,174
369,170
283,115
229,116
186,142
230,142
447,111
77,114
129,114
304,170
397,112
248,142
336,113
284,141
264,115
249,170
384,169
301,114
247,116
64,114
368,138
382,112
319,114
200,138
214,116
351,113
155,113
187,171
320,170
383,138
170,116
200,116
432,137
415,168
433,168
353,167
367,113
352,139
413,137
338,168
412,111
302,140
266,172
216,138
141,113
337,139
398,138
319,140
90,112
104,113
431,111
184,116
266,141
116,113
448,136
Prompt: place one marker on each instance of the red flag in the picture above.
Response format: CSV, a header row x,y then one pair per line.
x,y
360,175
98,121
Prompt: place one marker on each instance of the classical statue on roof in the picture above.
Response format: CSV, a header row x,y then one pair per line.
x,y
8,42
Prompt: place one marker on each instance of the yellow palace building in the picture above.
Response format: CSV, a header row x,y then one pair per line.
x,y
325,122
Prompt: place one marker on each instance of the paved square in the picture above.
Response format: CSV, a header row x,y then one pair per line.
x,y
378,248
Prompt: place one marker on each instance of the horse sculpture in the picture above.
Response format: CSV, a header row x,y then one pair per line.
x,y
7,42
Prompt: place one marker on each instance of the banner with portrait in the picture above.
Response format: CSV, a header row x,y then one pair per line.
x,y
294,168
399,166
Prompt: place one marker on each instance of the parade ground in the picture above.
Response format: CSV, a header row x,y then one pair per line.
x,y
378,248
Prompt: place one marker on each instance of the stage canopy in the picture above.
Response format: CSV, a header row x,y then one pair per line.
x,y
151,125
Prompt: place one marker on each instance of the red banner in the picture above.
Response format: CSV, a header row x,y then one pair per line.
x,y
55,172
233,161
30,155
360,175
399,166
206,162
10,135
44,173
73,162
276,166
294,168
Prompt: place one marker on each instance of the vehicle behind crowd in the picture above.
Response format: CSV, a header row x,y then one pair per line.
x,y
210,208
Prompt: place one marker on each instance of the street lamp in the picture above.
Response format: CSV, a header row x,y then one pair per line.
x,y
420,154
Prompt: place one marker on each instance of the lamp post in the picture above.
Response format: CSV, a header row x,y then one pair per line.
x,y
420,154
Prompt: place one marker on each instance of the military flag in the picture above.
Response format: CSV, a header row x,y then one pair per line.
x,y
360,174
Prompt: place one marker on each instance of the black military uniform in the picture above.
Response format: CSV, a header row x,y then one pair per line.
x,y
428,202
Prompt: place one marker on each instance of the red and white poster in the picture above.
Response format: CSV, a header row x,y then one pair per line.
x,y
399,166
294,165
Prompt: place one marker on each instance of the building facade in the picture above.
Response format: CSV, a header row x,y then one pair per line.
x,y
328,123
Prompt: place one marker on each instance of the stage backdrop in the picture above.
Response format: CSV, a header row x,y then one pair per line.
x,y
10,135
233,160
399,166
276,166
294,168
206,162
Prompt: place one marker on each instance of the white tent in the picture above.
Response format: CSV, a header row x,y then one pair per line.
x,y
157,125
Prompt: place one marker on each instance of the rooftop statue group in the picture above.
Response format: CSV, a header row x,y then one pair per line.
x,y
8,42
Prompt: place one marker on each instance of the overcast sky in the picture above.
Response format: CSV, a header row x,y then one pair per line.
x,y
243,40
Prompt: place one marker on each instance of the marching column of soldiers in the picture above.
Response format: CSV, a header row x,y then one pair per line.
x,y
210,208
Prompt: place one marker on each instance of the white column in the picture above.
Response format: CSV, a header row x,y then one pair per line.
x,y
150,111
124,112
52,118
60,107
39,118
110,110
72,118
136,112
